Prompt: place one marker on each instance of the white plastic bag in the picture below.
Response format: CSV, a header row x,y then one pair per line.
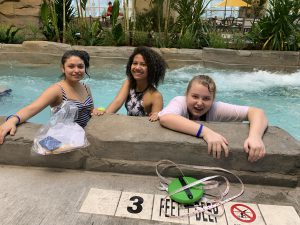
x,y
61,134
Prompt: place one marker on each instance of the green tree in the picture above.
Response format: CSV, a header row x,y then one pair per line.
x,y
189,20
55,15
279,28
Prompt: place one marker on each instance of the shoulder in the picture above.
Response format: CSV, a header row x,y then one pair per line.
x,y
51,96
56,88
154,92
221,111
87,87
228,106
126,84
179,100
176,106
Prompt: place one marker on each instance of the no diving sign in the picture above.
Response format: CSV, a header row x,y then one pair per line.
x,y
243,213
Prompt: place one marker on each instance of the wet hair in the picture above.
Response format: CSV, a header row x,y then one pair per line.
x,y
156,66
83,55
205,81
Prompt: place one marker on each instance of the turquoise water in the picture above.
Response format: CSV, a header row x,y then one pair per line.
x,y
277,93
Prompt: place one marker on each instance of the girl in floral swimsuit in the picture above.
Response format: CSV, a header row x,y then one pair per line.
x,y
145,70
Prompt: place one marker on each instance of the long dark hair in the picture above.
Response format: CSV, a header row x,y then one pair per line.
x,y
83,55
155,63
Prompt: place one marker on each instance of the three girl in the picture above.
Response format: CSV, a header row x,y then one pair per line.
x,y
145,70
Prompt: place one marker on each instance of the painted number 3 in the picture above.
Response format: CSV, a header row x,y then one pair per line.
x,y
137,202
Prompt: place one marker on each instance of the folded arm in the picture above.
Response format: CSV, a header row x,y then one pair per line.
x,y
216,142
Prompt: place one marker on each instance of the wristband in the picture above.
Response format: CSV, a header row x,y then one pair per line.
x,y
199,131
10,116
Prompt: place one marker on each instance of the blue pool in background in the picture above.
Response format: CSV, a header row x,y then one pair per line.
x,y
277,93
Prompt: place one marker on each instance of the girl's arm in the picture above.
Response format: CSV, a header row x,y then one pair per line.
x,y
119,100
157,105
254,145
49,97
216,142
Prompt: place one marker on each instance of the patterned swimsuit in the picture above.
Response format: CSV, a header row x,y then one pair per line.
x,y
134,103
84,109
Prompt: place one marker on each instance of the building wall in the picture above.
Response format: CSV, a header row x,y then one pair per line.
x,y
142,5
20,12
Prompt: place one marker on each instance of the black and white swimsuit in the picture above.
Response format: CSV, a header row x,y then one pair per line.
x,y
84,108
134,103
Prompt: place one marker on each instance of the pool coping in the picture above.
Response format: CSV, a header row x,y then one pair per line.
x,y
47,53
133,145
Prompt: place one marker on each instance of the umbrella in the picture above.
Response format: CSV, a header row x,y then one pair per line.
x,y
232,3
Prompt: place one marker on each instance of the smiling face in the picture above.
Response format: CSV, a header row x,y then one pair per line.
x,y
139,69
199,99
73,69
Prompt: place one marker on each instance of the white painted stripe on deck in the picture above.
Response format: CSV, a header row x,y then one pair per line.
x,y
100,201
283,215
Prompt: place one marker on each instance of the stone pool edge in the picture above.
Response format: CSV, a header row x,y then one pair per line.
x,y
47,53
134,145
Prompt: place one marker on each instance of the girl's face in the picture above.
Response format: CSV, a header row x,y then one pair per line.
x,y
74,69
139,69
199,100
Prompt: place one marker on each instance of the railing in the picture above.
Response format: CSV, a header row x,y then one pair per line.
x,y
231,24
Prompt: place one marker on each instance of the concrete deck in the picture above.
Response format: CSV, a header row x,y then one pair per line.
x,y
133,145
45,196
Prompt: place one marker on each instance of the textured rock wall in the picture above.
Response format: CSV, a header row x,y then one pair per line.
x,y
43,52
20,12
128,144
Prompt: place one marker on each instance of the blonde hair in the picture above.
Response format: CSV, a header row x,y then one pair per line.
x,y
205,81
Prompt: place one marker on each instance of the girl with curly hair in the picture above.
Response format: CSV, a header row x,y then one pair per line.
x,y
145,71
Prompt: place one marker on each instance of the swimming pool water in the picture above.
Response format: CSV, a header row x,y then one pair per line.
x,y
277,93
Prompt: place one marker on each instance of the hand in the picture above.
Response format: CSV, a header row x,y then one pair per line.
x,y
255,148
7,127
153,116
216,143
97,112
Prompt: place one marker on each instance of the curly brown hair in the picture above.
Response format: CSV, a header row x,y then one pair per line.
x,y
155,63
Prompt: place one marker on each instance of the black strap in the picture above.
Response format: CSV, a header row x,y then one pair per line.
x,y
187,191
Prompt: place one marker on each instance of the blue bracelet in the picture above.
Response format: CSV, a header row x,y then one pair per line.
x,y
10,116
199,131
